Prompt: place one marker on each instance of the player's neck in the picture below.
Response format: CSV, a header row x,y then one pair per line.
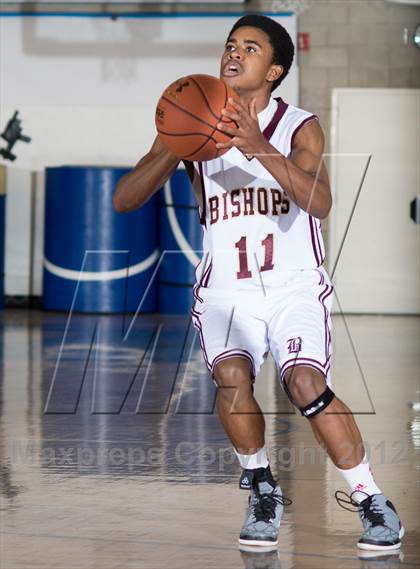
x,y
263,100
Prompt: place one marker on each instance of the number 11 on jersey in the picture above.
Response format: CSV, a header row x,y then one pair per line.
x,y
267,243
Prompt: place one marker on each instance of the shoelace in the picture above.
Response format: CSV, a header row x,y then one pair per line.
x,y
265,508
368,509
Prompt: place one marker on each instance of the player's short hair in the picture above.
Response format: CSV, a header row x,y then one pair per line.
x,y
280,40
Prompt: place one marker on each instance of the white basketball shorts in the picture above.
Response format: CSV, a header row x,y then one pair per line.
x,y
293,322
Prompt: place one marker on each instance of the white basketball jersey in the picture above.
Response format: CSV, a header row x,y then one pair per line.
x,y
253,232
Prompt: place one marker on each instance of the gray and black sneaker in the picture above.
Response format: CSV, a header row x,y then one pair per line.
x,y
265,509
382,526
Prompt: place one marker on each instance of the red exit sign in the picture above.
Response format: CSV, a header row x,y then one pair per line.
x,y
304,41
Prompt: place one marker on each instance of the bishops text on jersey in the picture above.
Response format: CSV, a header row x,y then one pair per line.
x,y
247,201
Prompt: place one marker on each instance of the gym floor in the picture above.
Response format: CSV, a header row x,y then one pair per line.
x,y
120,462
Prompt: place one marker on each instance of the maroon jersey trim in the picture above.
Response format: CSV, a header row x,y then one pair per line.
x,y
203,195
299,126
278,115
318,256
317,232
268,133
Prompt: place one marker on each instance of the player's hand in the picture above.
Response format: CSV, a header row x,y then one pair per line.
x,y
247,136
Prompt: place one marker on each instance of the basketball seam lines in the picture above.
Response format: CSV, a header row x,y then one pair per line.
x,y
215,128
188,112
205,98
210,136
187,134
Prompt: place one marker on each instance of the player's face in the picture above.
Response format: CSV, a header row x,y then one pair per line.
x,y
246,64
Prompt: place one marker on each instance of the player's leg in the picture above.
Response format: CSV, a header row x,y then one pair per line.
x,y
244,423
333,424
300,340
335,429
237,407
234,344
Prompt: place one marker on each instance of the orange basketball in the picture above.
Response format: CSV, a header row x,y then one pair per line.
x,y
187,115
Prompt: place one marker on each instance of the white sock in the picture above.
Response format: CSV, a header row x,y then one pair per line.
x,y
360,480
252,461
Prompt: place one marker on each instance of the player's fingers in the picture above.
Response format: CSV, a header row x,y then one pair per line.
x,y
230,115
229,144
227,129
240,109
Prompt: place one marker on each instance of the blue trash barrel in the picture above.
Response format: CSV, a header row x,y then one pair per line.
x,y
181,237
96,260
2,242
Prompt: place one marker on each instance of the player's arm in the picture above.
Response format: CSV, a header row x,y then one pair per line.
x,y
150,173
303,176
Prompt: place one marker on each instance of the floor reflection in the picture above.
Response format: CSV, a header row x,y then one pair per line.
x,y
112,455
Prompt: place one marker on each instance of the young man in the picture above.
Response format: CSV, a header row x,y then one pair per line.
x,y
261,285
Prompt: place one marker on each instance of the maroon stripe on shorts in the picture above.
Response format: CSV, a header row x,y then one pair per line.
x,y
197,324
307,362
322,298
204,274
326,312
321,277
304,363
207,279
232,353
196,288
300,358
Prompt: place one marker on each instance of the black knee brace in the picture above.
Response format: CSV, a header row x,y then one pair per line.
x,y
318,405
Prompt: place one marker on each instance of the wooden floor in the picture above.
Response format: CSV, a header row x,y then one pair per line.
x,y
112,457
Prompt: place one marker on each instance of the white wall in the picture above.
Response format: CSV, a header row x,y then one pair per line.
x,y
379,267
87,87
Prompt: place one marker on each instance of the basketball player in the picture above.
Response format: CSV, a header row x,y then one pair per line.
x,y
261,285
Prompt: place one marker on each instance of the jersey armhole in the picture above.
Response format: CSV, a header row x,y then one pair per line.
x,y
190,169
197,183
299,126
